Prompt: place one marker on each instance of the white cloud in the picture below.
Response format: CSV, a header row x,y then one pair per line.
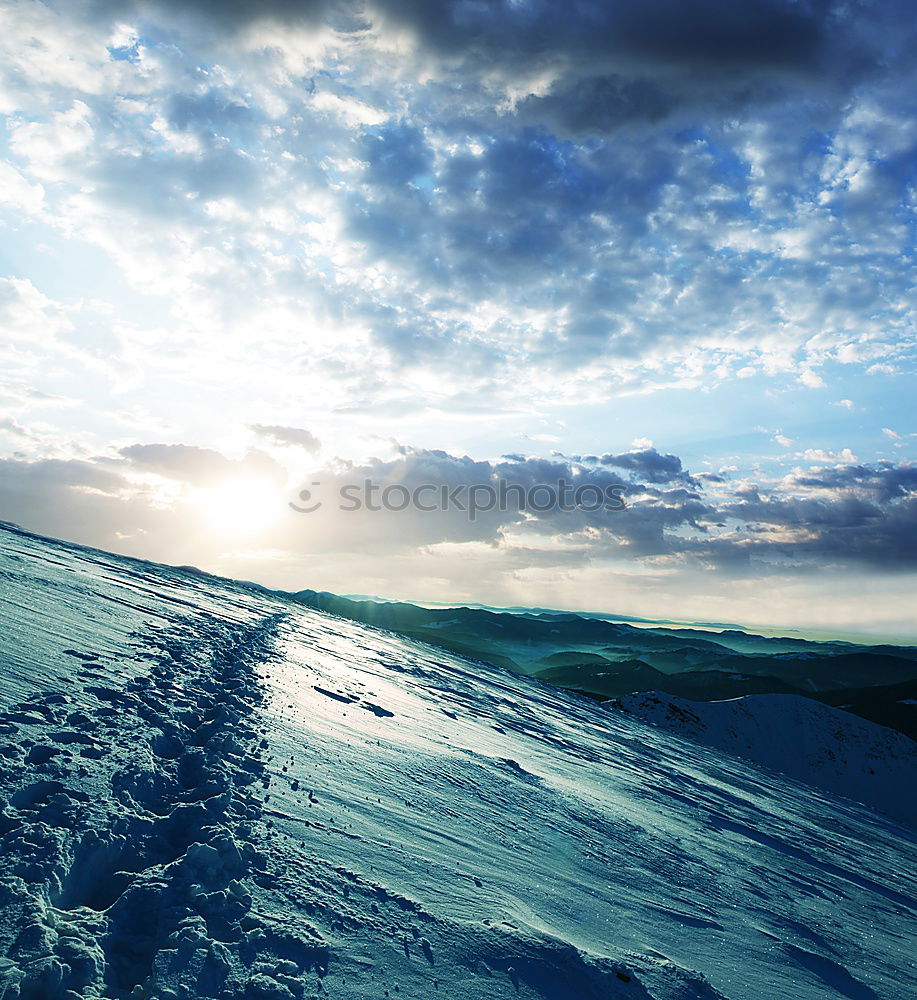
x,y
26,315
845,456
46,146
17,192
811,380
351,111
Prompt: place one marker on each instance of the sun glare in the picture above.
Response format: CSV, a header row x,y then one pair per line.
x,y
240,508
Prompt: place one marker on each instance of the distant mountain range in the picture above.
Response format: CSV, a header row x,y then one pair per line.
x,y
610,659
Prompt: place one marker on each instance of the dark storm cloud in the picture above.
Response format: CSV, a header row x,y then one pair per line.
x,y
648,464
760,32
859,514
220,15
886,481
837,529
850,513
612,64
529,483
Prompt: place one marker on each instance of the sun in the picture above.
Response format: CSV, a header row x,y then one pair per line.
x,y
240,508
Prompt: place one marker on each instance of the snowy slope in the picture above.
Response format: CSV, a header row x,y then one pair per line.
x,y
804,739
214,792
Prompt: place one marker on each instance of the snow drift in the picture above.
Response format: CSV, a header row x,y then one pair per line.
x,y
210,791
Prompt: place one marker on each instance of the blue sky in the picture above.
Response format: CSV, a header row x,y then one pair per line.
x,y
249,246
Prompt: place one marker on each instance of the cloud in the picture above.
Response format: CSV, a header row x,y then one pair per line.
x,y
28,316
597,66
288,436
69,498
12,427
820,455
649,464
842,530
18,192
200,466
597,193
221,15
883,483
50,145
812,381
848,522
631,53
844,515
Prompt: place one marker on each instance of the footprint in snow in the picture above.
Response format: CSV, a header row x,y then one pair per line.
x,y
346,699
41,754
382,713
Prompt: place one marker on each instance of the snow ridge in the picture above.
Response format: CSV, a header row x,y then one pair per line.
x,y
814,743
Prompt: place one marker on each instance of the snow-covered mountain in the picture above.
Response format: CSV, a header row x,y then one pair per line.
x,y
212,791
814,743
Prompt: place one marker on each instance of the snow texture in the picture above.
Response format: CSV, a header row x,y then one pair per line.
x,y
210,791
822,746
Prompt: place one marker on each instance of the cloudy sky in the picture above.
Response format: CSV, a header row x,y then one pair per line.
x,y
247,248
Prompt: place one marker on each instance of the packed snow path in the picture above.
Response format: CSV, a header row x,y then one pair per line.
x,y
212,792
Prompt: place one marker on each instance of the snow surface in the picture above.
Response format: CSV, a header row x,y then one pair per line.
x,y
211,791
815,743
